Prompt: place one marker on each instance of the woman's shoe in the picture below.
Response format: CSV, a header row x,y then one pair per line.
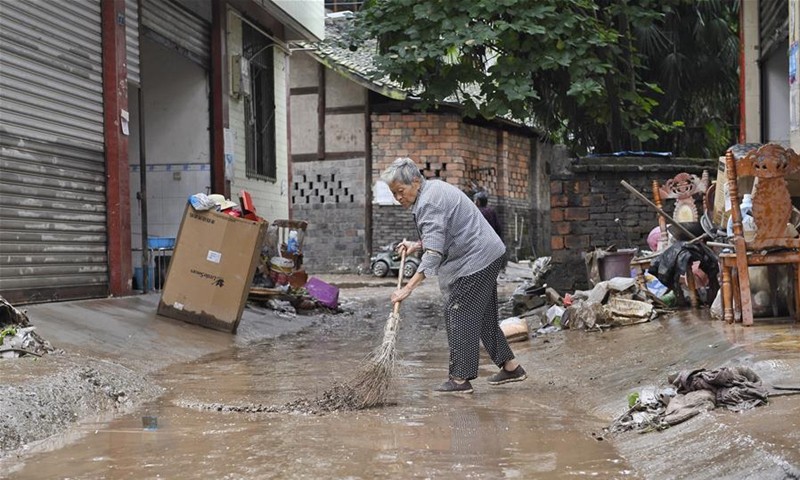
x,y
451,386
504,376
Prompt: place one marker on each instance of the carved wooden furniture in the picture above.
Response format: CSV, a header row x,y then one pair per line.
x,y
772,243
682,188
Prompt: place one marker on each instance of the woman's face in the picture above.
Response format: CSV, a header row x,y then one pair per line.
x,y
405,194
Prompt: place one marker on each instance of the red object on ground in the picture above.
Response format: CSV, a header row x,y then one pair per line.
x,y
248,207
246,203
567,299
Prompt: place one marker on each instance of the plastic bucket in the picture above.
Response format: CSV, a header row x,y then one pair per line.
x,y
138,278
616,264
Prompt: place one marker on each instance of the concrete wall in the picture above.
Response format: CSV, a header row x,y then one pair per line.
x,y
303,81
329,187
776,92
750,130
794,86
331,196
271,197
176,112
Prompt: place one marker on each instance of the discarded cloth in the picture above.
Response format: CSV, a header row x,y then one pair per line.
x,y
695,391
736,388
678,259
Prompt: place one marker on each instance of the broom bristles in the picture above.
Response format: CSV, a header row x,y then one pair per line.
x,y
371,385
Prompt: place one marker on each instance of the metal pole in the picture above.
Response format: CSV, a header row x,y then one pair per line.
x,y
143,166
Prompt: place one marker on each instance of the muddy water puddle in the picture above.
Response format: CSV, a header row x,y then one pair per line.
x,y
510,431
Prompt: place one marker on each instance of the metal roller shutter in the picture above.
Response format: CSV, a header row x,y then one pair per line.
x,y
132,40
773,18
176,27
52,166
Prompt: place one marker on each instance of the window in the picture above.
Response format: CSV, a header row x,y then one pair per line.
x,y
344,5
259,106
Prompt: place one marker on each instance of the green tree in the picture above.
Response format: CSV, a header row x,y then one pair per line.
x,y
573,68
694,56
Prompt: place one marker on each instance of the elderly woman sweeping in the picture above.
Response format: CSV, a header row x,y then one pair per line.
x,y
460,247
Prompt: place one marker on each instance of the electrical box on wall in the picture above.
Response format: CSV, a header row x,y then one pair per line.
x,y
240,71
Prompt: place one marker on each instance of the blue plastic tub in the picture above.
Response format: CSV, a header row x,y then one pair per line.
x,y
160,242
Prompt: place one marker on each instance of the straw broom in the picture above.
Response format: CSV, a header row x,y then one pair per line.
x,y
371,385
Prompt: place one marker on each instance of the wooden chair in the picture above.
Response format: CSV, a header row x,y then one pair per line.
x,y
682,188
772,243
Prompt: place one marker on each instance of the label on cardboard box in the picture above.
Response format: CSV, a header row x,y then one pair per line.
x,y
213,256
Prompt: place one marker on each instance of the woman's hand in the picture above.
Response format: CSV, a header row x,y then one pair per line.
x,y
409,247
400,294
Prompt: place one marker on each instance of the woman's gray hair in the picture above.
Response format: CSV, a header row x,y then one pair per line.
x,y
402,170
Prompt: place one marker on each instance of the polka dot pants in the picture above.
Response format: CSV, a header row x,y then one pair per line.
x,y
471,316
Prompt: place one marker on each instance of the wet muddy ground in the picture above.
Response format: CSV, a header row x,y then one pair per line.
x,y
226,415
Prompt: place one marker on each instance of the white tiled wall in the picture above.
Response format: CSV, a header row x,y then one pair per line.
x,y
168,189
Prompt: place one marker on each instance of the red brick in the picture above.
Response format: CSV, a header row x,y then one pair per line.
x,y
556,243
562,228
556,187
575,242
559,201
576,213
581,186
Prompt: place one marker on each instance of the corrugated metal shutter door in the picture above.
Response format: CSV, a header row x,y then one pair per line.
x,y
773,19
172,25
52,167
132,40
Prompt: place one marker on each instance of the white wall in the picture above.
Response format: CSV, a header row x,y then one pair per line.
x,y
751,72
776,92
176,109
271,198
308,13
305,120
794,89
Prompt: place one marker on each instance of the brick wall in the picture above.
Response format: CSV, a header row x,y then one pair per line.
x,y
586,199
464,155
391,223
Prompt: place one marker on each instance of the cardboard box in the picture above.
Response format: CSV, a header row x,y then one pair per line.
x,y
211,269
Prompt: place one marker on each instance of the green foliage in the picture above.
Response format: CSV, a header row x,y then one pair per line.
x,y
586,72
693,55
8,331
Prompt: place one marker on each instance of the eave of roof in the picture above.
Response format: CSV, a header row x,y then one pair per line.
x,y
356,65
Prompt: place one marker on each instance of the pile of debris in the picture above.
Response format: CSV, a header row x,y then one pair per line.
x,y
17,336
535,307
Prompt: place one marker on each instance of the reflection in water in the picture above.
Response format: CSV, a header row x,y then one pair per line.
x,y
499,432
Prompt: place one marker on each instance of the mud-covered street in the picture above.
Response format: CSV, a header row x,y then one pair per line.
x,y
550,426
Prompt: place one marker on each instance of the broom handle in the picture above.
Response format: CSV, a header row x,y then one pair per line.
x,y
400,277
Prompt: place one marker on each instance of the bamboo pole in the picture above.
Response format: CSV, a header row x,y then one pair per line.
x,y
658,209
